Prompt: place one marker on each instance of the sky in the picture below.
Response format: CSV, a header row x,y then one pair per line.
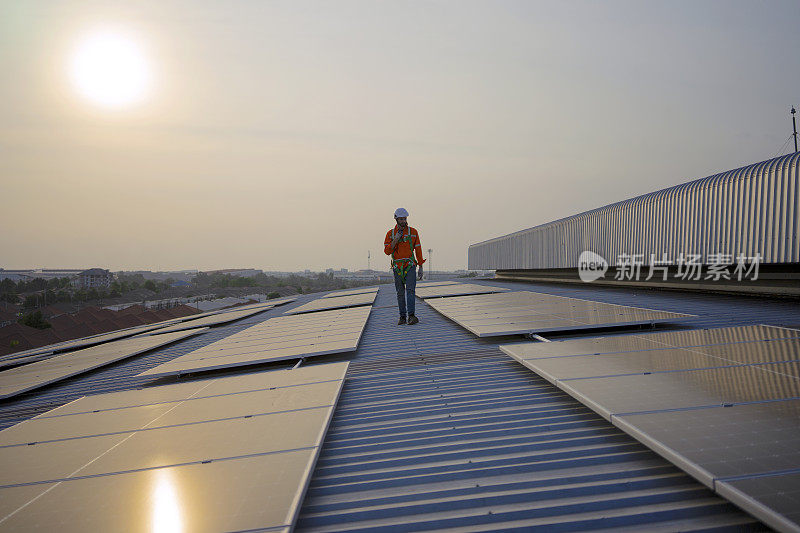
x,y
283,135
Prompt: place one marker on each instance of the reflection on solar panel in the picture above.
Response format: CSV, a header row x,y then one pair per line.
x,y
523,312
458,289
24,378
212,320
722,404
276,339
361,290
322,304
237,459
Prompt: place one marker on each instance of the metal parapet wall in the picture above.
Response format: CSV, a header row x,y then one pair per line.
x,y
751,210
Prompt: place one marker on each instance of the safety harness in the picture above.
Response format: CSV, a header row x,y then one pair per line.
x,y
403,266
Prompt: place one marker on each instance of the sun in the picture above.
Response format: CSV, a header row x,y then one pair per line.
x,y
110,69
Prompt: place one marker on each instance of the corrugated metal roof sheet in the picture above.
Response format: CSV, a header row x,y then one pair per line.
x,y
437,429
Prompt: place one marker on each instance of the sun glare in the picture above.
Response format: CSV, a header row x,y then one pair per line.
x,y
110,69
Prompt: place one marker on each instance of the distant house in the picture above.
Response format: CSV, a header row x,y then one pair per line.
x,y
95,278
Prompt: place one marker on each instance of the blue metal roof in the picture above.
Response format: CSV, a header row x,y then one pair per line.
x,y
438,429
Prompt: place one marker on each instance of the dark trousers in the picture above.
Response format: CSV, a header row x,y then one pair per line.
x,y
405,291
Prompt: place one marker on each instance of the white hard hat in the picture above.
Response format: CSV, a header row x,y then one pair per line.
x,y
400,212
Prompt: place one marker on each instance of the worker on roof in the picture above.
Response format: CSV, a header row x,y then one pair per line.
x,y
402,244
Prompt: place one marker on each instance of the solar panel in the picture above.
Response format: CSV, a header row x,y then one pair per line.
x,y
774,498
360,290
723,442
323,304
458,289
276,339
249,493
268,303
204,388
222,463
212,320
648,341
723,404
436,283
84,342
665,359
679,390
24,378
526,312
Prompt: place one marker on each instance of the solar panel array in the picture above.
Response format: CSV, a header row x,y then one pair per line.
x,y
276,339
224,454
524,312
34,375
455,289
88,341
44,352
360,290
723,404
324,304
215,319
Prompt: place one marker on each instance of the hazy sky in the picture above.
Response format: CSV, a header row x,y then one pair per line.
x,y
282,135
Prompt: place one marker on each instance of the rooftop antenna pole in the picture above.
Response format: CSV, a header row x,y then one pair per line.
x,y
794,127
430,258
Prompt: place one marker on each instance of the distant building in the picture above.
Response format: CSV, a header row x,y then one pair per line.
x,y
238,272
14,275
184,275
95,278
43,273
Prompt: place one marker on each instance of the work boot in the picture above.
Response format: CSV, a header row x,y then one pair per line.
x,y
412,319
402,320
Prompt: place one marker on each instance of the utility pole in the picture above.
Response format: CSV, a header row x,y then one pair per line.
x,y
430,260
794,127
368,258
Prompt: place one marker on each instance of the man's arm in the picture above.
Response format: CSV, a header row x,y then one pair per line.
x,y
389,244
418,250
418,254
